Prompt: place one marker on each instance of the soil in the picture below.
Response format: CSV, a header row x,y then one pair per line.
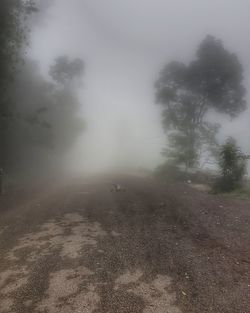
x,y
151,247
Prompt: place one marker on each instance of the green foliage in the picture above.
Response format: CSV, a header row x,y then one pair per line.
x,y
187,93
232,163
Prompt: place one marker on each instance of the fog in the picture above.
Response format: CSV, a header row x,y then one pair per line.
x,y
124,156
124,45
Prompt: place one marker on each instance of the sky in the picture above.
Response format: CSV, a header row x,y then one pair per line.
x,y
124,44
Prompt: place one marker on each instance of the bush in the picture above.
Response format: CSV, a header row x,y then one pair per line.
x,y
233,165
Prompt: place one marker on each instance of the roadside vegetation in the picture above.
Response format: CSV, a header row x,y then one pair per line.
x,y
213,82
39,116
233,167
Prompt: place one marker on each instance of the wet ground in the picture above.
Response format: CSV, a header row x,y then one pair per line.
x,y
152,247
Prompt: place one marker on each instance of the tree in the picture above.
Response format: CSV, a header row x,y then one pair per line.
x,y
66,123
26,136
64,71
39,120
187,92
217,76
13,38
44,125
232,163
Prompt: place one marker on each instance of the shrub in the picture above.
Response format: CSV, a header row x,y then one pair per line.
x,y
232,163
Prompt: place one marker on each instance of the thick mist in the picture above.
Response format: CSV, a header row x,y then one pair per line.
x,y
124,156
124,45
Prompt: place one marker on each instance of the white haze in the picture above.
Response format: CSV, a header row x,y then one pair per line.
x,y
124,44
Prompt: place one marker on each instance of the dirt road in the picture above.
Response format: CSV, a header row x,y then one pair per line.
x,y
152,248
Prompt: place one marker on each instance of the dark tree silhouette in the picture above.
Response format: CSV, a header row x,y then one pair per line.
x,y
65,71
214,81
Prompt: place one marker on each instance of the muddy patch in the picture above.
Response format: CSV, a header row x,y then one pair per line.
x,y
67,237
72,287
156,294
70,234
10,282
82,234
128,278
70,291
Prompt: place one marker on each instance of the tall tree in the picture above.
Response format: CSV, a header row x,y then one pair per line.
x,y
13,30
44,126
214,81
66,124
38,119
12,38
